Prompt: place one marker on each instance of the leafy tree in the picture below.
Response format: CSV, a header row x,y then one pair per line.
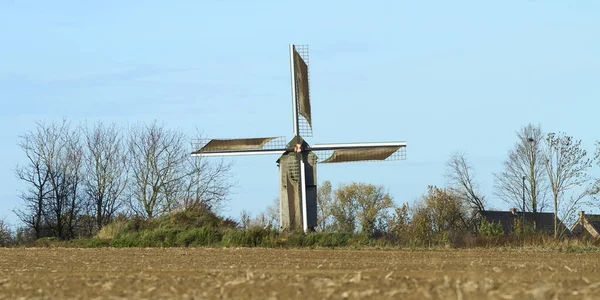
x,y
439,215
360,204
344,211
324,206
398,223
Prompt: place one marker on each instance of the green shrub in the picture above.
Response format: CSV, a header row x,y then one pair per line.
x,y
194,218
110,231
126,240
254,236
82,243
235,238
159,237
490,229
46,242
294,240
96,243
203,236
136,224
335,239
359,240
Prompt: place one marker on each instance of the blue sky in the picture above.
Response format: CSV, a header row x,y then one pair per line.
x,y
444,76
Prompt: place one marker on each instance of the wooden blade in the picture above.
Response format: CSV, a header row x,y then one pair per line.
x,y
363,154
246,146
301,75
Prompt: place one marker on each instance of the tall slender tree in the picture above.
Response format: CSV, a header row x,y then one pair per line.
x,y
62,155
525,160
324,205
567,165
36,178
106,171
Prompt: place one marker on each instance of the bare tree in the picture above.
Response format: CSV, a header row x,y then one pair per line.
x,y
62,156
525,160
594,191
245,219
6,235
324,205
204,184
106,171
157,158
36,177
272,213
54,160
461,176
74,172
567,165
597,153
53,174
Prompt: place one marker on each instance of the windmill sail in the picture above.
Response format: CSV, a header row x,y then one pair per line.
x,y
349,155
301,73
298,160
337,153
263,145
236,144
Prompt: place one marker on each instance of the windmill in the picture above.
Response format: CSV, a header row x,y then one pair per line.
x,y
298,160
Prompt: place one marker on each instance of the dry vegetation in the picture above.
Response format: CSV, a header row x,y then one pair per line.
x,y
209,273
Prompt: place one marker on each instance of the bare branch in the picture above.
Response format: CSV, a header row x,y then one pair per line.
x,y
460,175
524,160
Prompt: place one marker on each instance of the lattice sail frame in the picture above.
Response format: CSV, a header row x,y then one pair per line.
x,y
325,156
304,127
228,145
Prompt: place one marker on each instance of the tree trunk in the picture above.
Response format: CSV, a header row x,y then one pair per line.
x,y
555,216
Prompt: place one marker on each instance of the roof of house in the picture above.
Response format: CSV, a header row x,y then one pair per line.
x,y
587,219
545,220
594,220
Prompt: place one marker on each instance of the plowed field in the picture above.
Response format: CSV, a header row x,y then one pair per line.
x,y
196,273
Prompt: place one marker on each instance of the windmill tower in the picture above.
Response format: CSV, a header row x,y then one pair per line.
x,y
298,160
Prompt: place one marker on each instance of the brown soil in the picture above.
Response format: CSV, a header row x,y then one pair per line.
x,y
197,273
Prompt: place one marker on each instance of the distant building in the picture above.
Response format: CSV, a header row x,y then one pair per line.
x,y
508,219
587,226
